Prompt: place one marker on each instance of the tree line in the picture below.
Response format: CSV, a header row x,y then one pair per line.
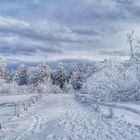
x,y
43,74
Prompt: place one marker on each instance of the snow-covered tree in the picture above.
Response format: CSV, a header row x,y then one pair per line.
x,y
130,39
73,69
41,74
2,68
76,81
114,82
76,77
134,43
21,75
59,77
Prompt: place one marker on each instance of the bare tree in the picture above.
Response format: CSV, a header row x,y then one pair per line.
x,y
130,40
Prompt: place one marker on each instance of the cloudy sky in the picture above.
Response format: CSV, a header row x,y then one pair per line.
x,y
50,30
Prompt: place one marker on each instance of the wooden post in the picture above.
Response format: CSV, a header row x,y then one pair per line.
x,y
17,110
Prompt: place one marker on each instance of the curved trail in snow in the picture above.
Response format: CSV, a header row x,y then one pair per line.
x,y
30,129
112,105
62,117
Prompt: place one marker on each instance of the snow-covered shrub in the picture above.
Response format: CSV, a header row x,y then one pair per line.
x,y
4,87
11,88
113,82
14,88
68,89
56,90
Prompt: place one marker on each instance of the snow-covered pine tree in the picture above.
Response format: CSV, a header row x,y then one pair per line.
x,y
8,76
74,68
41,74
75,77
2,68
59,77
76,81
46,72
21,75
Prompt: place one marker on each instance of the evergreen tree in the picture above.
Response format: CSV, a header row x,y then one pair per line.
x,y
76,81
73,70
59,77
21,75
41,74
2,68
75,77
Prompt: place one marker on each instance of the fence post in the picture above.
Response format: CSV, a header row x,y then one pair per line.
x,y
24,106
110,113
17,110
29,102
32,100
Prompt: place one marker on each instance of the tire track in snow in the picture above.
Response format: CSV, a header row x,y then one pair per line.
x,y
33,128
39,125
112,105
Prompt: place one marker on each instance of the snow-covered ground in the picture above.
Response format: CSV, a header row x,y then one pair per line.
x,y
7,99
11,105
127,111
64,117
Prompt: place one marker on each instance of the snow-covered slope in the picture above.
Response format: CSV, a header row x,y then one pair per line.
x,y
63,117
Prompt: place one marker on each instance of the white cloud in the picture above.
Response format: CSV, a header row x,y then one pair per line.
x,y
8,22
86,25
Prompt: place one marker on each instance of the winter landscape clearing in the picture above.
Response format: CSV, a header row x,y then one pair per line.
x,y
99,100
69,70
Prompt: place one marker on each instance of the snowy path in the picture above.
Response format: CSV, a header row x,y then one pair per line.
x,y
62,117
